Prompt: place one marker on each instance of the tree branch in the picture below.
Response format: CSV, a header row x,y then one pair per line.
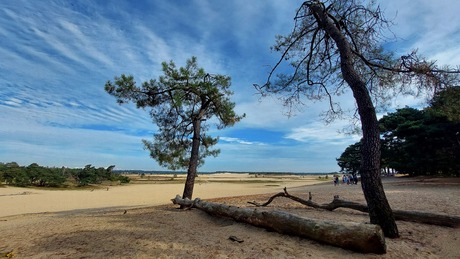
x,y
414,216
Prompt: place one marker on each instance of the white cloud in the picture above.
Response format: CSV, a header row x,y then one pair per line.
x,y
318,132
70,146
86,44
240,141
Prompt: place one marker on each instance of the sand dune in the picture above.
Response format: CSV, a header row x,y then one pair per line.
x,y
104,224
151,193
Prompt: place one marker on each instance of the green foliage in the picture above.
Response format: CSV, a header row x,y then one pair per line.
x,y
85,176
446,103
181,101
416,142
350,160
14,174
92,175
421,142
122,178
32,175
36,175
44,176
2,169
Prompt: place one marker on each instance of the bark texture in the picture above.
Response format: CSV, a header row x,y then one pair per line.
x,y
379,209
413,216
364,238
195,153
191,172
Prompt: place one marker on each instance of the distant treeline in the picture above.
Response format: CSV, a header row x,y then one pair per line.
x,y
132,171
285,173
36,175
216,172
414,142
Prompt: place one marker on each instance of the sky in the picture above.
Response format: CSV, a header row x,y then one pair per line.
x,y
56,55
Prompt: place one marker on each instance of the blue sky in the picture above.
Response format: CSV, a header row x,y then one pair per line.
x,y
56,55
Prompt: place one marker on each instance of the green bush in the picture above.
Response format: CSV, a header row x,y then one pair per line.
x,y
36,175
123,179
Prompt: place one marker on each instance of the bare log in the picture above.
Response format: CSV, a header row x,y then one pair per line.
x,y
413,216
364,238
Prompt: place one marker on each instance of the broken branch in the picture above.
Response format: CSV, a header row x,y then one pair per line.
x,y
413,216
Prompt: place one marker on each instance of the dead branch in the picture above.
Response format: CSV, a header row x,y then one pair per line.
x,y
413,216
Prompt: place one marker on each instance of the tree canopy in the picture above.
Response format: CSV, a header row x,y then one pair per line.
x,y
420,143
417,142
181,102
350,160
446,104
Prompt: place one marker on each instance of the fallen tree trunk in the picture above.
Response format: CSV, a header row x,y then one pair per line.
x,y
413,216
427,218
364,238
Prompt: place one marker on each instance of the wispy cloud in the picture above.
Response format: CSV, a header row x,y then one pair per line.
x,y
432,27
319,133
56,58
240,141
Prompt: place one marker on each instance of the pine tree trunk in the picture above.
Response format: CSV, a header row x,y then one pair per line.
x,y
379,209
193,164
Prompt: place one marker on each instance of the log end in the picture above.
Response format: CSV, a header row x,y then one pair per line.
x,y
368,239
176,200
378,241
358,237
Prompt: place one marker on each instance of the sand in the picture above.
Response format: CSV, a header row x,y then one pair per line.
x,y
138,221
158,190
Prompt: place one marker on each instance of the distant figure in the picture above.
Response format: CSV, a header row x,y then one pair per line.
x,y
336,180
355,179
347,180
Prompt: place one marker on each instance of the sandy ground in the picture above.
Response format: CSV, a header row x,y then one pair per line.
x,y
155,191
137,221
